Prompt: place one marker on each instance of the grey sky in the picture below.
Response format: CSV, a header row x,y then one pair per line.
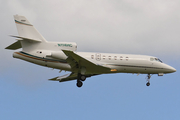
x,y
141,27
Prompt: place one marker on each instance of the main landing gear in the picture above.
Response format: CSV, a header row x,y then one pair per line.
x,y
80,78
148,80
79,83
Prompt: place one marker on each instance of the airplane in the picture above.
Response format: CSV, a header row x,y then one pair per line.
x,y
64,56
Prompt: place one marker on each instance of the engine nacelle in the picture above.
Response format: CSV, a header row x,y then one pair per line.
x,y
59,55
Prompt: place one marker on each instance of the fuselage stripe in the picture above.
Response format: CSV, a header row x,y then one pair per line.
x,y
39,58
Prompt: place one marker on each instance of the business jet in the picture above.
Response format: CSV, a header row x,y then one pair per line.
x,y
63,56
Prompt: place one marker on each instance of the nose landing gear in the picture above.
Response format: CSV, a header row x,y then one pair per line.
x,y
148,84
148,80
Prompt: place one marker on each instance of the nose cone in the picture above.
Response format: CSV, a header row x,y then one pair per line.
x,y
171,69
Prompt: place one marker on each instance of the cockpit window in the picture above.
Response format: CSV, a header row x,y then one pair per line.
x,y
151,59
155,59
159,60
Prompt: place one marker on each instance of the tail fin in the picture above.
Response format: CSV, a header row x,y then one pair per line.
x,y
29,38
26,29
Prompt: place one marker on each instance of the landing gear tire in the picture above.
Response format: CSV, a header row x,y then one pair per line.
x,y
148,80
83,78
148,84
80,78
79,84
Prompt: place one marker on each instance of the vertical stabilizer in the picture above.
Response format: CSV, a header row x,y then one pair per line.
x,y
26,29
30,38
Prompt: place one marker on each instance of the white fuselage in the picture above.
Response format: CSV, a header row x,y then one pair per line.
x,y
118,63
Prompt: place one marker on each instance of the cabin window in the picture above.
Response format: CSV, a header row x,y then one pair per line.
x,y
109,57
92,56
115,57
104,57
121,58
127,58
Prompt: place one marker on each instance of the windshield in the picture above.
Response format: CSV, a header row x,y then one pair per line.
x,y
155,59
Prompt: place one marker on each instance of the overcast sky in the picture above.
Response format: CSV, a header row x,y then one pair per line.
x,y
149,27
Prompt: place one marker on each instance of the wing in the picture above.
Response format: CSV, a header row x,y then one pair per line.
x,y
77,61
67,77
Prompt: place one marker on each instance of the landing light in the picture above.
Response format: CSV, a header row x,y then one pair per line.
x,y
113,70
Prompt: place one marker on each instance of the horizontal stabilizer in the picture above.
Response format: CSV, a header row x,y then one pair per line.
x,y
66,77
14,46
24,38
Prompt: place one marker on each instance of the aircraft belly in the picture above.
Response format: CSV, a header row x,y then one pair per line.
x,y
139,70
136,69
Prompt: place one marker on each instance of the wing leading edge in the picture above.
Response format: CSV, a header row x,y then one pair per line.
x,y
79,62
